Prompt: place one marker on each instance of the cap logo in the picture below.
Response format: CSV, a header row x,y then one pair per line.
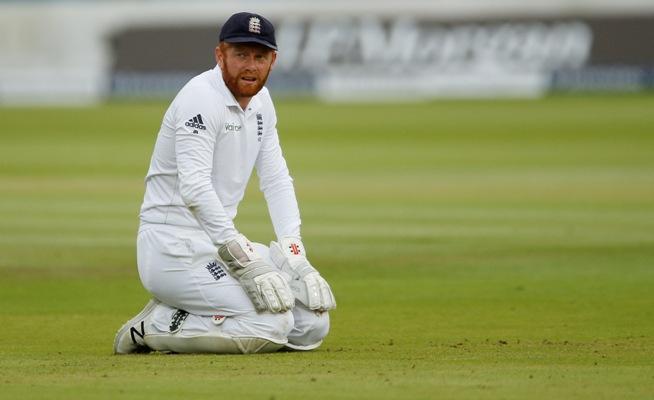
x,y
255,25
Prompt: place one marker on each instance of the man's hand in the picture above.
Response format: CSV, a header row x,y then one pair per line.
x,y
308,286
263,283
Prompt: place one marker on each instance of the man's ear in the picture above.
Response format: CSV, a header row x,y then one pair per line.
x,y
274,58
219,56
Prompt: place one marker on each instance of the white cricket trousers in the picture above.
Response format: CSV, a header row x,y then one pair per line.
x,y
178,266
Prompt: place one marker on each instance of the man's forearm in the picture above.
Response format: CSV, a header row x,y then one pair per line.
x,y
284,211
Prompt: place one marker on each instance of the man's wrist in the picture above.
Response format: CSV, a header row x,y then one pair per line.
x,y
226,237
238,253
292,247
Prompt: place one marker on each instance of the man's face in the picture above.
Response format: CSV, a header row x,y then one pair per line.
x,y
245,67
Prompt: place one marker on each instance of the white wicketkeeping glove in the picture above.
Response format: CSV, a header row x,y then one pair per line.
x,y
308,286
263,283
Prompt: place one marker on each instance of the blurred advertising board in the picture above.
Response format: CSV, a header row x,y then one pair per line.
x,y
406,58
341,50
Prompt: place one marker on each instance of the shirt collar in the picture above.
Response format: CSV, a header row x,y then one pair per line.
x,y
230,100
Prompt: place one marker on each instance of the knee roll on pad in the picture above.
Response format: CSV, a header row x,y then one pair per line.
x,y
309,330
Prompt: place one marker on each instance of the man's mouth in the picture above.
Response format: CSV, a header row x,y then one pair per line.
x,y
249,79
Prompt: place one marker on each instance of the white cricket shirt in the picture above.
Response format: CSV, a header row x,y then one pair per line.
x,y
203,158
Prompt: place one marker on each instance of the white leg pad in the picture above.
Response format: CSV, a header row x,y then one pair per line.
x,y
211,344
257,333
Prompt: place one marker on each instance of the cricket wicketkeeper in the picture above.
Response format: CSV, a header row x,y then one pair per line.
x,y
213,290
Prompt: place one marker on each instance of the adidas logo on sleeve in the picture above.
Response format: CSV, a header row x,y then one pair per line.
x,y
196,122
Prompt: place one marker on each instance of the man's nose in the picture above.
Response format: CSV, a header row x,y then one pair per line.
x,y
250,63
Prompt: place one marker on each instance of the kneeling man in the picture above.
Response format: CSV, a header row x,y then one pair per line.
x,y
213,290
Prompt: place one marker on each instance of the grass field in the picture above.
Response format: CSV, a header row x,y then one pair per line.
x,y
480,250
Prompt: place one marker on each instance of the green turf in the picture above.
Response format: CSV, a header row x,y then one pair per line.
x,y
479,250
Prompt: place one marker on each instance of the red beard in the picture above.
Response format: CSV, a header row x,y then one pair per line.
x,y
241,88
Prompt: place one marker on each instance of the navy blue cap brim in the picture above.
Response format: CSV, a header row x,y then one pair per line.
x,y
246,39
